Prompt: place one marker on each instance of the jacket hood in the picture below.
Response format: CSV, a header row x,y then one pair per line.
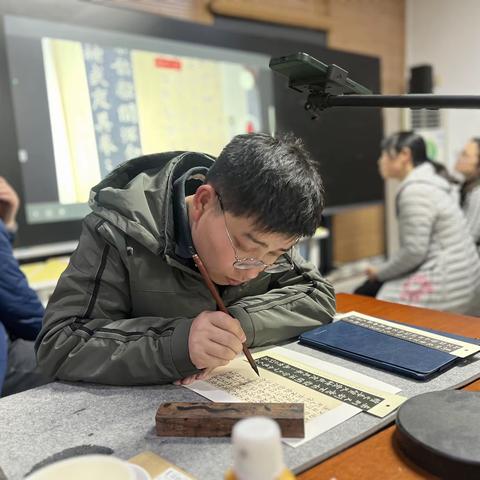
x,y
137,196
425,173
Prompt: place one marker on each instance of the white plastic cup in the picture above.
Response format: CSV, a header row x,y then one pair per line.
x,y
86,467
257,449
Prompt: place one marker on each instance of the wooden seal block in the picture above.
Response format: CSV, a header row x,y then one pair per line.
x,y
204,419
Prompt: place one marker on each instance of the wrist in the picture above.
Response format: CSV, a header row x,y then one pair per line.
x,y
11,226
179,345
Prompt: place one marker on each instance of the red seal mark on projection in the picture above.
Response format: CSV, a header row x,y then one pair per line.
x,y
250,127
170,63
416,288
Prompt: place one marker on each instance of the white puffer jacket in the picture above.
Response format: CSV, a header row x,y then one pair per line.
x,y
437,265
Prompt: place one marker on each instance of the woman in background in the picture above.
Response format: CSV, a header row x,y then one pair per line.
x,y
437,265
468,164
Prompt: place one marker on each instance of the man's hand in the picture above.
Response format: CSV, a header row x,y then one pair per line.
x,y
9,204
215,339
371,273
203,375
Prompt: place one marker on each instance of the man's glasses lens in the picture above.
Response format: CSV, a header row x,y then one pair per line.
x,y
275,268
278,268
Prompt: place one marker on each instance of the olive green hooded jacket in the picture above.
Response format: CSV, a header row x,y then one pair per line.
x,y
122,310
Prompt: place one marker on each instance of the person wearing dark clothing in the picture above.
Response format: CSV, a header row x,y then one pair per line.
x,y
20,309
132,309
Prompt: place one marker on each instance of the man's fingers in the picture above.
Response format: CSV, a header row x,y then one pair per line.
x,y
6,198
204,375
209,361
232,325
185,381
188,380
6,189
215,338
220,352
226,339
192,378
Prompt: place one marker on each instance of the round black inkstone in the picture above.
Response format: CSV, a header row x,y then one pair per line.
x,y
440,432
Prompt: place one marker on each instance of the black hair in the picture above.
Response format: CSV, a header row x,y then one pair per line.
x,y
275,181
418,148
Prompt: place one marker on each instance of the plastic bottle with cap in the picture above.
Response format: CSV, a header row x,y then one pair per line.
x,y
257,451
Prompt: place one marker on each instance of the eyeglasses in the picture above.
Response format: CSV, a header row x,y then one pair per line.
x,y
249,263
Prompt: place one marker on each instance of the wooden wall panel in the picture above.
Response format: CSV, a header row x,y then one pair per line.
x,y
373,27
300,13
191,10
358,233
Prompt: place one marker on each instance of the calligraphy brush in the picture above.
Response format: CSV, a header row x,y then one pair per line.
x,y
221,305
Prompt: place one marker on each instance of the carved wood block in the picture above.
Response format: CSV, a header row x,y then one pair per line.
x,y
205,419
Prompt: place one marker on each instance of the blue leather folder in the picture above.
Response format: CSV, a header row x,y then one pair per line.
x,y
381,350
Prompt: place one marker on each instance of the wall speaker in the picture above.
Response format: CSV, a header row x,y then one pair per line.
x,y
421,79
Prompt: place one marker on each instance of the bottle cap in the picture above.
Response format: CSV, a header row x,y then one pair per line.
x,y
257,450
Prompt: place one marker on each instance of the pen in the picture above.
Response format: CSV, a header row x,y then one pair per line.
x,y
221,306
